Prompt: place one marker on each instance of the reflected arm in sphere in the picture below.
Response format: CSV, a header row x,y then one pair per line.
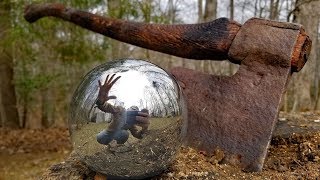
x,y
114,131
103,95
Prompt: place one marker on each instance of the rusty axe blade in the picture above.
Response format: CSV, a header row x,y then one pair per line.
x,y
235,114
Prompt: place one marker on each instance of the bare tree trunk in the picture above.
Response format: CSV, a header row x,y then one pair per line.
x,y
210,11
3,116
200,11
307,13
199,65
274,9
145,7
8,106
47,92
232,67
25,107
114,10
317,72
46,108
256,8
288,9
271,9
231,10
171,16
171,12
262,8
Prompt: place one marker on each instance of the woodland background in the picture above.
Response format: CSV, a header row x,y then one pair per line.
x,y
41,64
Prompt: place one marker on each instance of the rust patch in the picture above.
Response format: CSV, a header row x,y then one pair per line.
x,y
301,51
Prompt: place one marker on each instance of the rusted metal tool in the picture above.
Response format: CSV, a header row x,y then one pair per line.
x,y
235,114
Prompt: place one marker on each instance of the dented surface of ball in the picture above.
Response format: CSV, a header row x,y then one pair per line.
x,y
131,124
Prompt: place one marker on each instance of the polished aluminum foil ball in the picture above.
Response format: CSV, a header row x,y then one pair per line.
x,y
137,131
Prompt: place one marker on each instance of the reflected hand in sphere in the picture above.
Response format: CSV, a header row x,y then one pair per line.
x,y
126,119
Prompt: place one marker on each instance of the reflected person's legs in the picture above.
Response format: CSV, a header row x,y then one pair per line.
x,y
105,137
121,136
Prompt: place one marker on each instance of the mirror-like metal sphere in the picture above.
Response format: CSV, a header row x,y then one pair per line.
x,y
126,119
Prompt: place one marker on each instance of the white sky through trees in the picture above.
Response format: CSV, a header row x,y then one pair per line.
x,y
244,9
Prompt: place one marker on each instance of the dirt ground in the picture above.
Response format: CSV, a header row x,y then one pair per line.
x,y
119,159
25,154
294,154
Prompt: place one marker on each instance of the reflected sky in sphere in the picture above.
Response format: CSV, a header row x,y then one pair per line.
x,y
142,84
128,84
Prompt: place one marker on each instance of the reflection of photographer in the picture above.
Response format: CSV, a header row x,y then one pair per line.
x,y
135,118
122,120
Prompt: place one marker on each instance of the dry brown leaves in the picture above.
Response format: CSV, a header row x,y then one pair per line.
x,y
39,140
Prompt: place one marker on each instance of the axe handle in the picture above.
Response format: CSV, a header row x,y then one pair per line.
x,y
203,41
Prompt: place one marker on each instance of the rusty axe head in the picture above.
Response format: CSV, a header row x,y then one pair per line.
x,y
236,114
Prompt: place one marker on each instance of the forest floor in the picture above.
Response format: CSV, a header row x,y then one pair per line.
x,y
294,153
